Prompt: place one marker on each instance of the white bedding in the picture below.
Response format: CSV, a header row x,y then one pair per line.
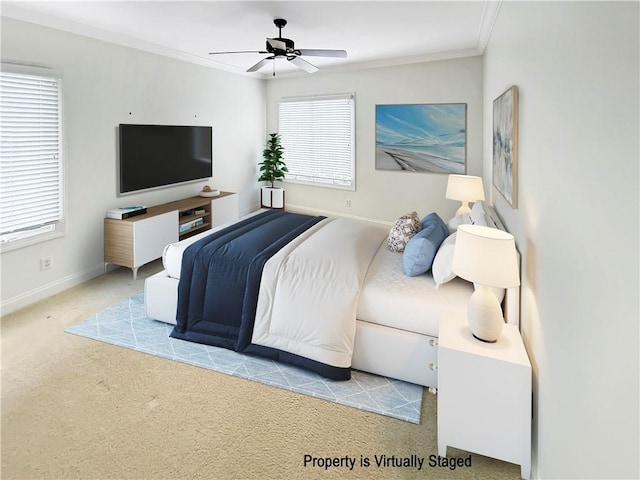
x,y
388,297
398,316
309,291
391,298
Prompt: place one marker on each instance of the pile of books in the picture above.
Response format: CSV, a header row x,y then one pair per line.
x,y
126,212
192,224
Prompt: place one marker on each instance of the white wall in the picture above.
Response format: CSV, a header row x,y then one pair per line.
x,y
576,66
105,85
386,195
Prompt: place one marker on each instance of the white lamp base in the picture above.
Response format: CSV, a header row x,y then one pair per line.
x,y
485,315
464,209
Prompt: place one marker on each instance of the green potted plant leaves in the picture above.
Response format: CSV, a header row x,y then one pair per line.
x,y
272,169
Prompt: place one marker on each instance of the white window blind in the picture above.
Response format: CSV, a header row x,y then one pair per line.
x,y
30,154
318,138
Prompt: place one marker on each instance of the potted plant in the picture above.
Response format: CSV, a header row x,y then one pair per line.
x,y
272,169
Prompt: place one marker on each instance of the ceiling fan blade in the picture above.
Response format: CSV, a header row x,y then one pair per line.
x,y
323,53
303,64
241,51
260,64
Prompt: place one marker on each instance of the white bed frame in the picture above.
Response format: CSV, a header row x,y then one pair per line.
x,y
411,356
382,350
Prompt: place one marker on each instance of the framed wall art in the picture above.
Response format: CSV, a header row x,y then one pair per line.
x,y
505,145
429,138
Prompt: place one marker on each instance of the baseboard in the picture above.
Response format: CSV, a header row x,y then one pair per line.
x,y
329,213
23,300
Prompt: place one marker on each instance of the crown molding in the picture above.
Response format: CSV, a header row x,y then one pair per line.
x,y
12,10
489,16
51,21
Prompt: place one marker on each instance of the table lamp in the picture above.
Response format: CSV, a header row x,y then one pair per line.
x,y
465,188
487,257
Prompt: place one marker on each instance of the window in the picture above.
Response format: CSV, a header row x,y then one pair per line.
x,y
30,154
318,138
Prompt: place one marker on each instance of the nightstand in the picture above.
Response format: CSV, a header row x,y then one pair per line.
x,y
484,394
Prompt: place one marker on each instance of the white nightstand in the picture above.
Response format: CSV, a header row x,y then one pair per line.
x,y
484,394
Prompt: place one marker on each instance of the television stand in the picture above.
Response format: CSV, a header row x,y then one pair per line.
x,y
136,241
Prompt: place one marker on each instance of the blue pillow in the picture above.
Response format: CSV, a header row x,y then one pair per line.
x,y
422,248
432,218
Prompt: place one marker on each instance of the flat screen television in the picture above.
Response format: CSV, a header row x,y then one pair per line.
x,y
153,156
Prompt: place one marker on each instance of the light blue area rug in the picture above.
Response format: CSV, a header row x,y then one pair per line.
x,y
126,325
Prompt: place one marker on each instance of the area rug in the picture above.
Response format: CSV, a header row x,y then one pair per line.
x,y
126,325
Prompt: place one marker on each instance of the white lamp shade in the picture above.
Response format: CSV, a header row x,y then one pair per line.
x,y
464,188
486,256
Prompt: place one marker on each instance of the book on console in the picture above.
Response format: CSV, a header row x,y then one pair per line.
x,y
126,212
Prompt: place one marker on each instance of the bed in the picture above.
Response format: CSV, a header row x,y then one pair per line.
x,y
395,329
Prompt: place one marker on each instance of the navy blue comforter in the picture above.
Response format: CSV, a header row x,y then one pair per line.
x,y
220,281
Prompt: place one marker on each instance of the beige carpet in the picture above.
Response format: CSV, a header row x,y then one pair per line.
x,y
77,408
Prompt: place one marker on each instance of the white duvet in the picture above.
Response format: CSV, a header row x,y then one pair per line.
x,y
309,291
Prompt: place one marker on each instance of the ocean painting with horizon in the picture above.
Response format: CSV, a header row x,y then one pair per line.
x,y
422,138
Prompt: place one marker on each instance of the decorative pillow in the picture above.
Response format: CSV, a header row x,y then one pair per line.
x,y
442,268
403,229
432,218
422,248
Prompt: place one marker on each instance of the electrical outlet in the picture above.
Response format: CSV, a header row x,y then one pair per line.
x,y
348,203
46,262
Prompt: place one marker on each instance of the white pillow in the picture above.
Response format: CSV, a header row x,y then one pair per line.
x,y
475,217
455,222
477,214
442,267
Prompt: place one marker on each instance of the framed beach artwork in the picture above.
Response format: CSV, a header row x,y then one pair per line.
x,y
505,145
430,138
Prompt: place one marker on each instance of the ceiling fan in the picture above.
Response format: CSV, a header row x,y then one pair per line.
x,y
283,47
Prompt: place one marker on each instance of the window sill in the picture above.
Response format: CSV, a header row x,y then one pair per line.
x,y
350,188
33,240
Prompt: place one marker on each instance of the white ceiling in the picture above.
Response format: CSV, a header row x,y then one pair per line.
x,y
374,33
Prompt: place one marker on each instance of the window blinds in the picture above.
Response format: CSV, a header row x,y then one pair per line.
x,y
30,152
318,140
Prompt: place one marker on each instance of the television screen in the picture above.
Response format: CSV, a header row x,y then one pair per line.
x,y
153,156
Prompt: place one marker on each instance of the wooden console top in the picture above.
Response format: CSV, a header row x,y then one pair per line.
x,y
180,205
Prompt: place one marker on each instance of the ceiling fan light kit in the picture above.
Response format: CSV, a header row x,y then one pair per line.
x,y
280,47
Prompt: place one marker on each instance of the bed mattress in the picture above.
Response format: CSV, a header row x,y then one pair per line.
x,y
392,299
388,298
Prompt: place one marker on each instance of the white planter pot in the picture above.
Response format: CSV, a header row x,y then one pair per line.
x,y
272,197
